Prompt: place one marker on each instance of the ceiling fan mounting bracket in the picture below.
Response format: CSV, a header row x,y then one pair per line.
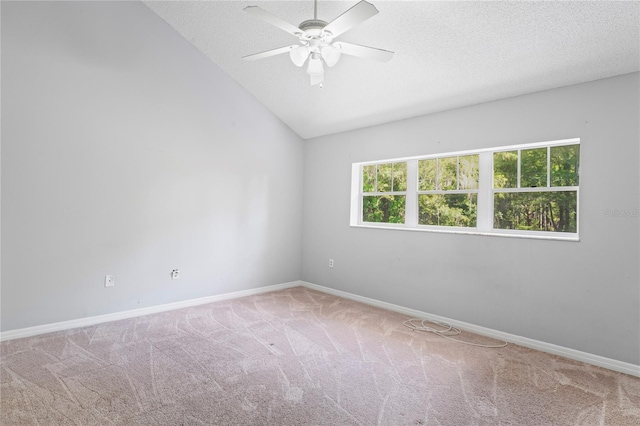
x,y
312,24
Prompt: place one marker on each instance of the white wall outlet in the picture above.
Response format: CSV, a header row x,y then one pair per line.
x,y
175,274
109,280
330,263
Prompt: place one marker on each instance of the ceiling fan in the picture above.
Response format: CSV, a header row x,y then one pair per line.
x,y
316,39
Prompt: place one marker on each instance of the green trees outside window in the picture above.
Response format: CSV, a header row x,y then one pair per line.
x,y
536,211
384,189
447,191
554,170
448,209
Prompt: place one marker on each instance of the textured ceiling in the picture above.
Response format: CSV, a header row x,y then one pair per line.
x,y
447,54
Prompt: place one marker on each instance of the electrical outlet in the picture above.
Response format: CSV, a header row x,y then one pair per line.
x,y
109,280
330,263
175,274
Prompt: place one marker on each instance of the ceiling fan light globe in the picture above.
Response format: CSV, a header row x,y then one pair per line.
x,y
317,80
331,55
299,55
315,66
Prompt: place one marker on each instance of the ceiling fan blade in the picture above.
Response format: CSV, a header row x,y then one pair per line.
x,y
352,17
267,53
273,20
365,52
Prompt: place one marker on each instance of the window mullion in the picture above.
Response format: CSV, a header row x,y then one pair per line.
x,y
519,166
485,193
393,172
411,200
548,167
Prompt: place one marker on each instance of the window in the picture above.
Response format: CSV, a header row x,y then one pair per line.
x,y
448,191
523,190
536,189
384,189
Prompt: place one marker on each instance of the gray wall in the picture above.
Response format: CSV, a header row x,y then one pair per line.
x,y
126,152
581,295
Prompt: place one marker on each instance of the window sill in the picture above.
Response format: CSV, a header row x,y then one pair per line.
x,y
396,227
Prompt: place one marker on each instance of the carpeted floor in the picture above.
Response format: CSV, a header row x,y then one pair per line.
x,y
296,357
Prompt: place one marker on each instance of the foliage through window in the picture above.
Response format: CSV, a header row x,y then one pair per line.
x,y
448,191
524,190
536,189
384,189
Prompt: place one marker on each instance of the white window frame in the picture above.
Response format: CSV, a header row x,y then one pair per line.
x,y
485,191
382,194
445,191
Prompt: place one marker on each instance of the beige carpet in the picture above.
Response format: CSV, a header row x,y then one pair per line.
x,y
296,357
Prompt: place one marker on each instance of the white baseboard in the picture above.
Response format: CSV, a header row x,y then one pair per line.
x,y
588,358
98,319
611,364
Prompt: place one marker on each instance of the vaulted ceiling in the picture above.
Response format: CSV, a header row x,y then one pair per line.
x,y
448,54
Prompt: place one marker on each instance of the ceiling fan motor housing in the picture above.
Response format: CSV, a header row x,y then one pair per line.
x,y
314,34
312,24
